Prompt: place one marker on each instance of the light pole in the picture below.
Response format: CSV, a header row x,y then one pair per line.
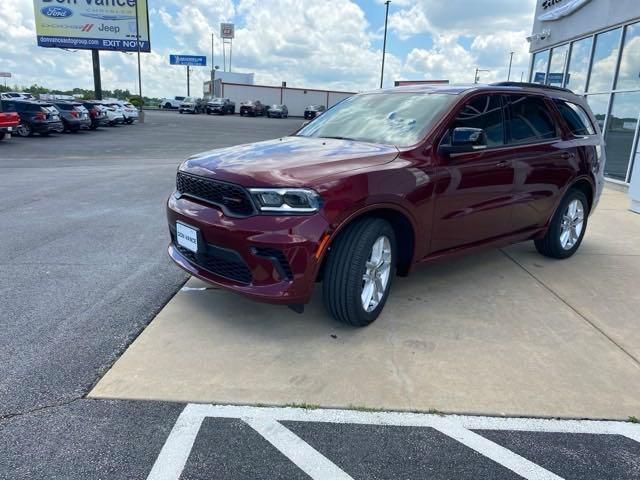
x,y
384,43
213,71
510,62
141,116
476,77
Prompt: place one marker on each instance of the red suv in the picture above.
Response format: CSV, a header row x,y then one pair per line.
x,y
386,180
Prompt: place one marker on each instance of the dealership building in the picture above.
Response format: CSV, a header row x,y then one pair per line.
x,y
593,48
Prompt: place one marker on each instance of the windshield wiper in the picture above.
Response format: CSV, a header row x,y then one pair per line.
x,y
338,138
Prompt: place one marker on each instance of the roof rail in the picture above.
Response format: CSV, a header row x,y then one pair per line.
x,y
531,85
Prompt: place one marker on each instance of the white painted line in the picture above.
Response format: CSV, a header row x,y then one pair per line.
x,y
497,453
303,455
176,450
419,419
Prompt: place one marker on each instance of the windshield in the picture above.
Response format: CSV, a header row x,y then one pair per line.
x,y
400,119
189,99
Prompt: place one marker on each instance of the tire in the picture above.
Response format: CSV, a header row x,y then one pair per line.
x,y
2,135
342,286
167,105
241,113
554,243
24,130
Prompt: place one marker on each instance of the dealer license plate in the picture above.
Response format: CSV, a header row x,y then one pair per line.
x,y
187,237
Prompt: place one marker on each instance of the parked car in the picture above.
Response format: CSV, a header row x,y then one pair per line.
x,y
16,96
115,115
73,115
35,117
129,111
432,173
191,105
97,113
221,106
312,111
280,111
171,102
251,108
9,122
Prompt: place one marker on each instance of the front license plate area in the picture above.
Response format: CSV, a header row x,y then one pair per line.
x,y
187,237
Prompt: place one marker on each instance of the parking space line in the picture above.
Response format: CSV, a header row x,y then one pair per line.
x,y
175,452
308,459
266,421
499,454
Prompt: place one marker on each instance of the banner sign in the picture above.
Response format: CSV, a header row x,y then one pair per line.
x,y
92,24
227,30
190,60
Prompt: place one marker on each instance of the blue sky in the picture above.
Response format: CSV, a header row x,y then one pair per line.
x,y
328,44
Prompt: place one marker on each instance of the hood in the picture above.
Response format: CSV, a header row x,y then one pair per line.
x,y
288,161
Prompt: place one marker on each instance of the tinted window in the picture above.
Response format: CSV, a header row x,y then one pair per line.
x,y
64,106
483,112
9,106
529,119
576,118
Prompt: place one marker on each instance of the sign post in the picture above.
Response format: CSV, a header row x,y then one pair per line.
x,y
188,61
227,33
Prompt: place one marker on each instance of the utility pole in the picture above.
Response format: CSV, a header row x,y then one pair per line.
x,y
141,116
384,43
510,62
476,78
213,70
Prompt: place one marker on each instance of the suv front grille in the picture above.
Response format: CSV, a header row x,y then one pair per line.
x,y
233,199
219,261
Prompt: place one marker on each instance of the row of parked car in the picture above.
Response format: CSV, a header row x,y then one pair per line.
x,y
224,106
24,115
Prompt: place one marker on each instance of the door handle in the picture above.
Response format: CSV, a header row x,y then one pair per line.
x,y
503,164
566,155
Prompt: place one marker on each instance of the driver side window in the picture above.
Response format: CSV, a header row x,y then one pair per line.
x,y
483,112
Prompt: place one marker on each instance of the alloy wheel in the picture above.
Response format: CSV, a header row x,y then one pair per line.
x,y
375,279
572,224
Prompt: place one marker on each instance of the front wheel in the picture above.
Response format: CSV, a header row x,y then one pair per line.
x,y
359,271
567,227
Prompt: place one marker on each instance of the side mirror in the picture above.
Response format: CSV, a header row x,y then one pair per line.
x,y
465,139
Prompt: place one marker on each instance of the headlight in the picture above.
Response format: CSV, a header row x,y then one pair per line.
x,y
286,200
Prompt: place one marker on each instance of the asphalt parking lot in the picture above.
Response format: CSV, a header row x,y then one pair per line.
x,y
84,271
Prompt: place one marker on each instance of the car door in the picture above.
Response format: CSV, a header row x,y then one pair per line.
x,y
544,163
474,193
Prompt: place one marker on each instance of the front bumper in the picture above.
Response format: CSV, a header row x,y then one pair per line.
x,y
273,259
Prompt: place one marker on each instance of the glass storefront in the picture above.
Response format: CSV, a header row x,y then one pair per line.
x,y
606,68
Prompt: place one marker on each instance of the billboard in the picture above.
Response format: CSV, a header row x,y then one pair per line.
x,y
190,60
227,30
92,24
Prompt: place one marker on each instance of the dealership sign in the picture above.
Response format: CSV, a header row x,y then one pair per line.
x,y
564,8
190,60
92,24
227,30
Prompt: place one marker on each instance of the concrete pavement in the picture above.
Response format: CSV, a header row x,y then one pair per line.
x,y
498,333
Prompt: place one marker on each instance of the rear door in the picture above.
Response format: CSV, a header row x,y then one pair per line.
x,y
475,193
543,161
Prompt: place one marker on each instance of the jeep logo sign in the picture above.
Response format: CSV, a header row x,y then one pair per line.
x,y
565,8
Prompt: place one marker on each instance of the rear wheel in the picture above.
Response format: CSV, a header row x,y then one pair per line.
x,y
359,272
2,135
167,105
24,130
567,227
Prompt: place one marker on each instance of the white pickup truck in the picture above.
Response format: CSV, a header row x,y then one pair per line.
x,y
171,102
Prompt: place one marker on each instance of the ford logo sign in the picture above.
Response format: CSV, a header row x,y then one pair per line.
x,y
57,12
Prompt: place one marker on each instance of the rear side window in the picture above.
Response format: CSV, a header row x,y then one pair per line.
x,y
576,118
483,112
529,119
